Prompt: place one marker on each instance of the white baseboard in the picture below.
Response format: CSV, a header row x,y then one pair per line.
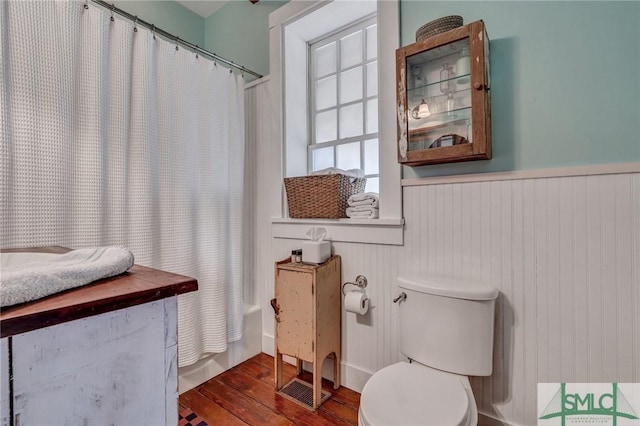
x,y
487,420
268,344
355,378
351,377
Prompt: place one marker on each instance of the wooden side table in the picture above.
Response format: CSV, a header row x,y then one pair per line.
x,y
308,318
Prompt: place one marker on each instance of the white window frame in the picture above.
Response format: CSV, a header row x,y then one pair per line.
x,y
291,27
335,37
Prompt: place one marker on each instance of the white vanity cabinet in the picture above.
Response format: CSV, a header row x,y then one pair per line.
x,y
5,419
117,368
103,354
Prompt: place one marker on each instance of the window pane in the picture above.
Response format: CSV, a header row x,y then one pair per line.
x,y
326,126
351,85
322,158
372,42
326,92
372,116
348,156
351,120
373,185
344,76
351,50
372,79
371,160
326,59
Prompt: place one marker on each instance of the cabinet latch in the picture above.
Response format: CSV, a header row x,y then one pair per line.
x,y
276,308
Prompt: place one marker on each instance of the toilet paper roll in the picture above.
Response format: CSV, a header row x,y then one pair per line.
x,y
356,301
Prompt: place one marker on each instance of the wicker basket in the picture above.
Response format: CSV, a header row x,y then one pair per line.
x,y
438,26
321,196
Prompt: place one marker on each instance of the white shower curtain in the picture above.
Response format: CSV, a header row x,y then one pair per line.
x,y
112,136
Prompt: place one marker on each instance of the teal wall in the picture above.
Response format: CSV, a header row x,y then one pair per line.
x,y
565,87
239,31
565,81
170,16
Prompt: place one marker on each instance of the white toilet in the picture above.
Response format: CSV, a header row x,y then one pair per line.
x,y
446,331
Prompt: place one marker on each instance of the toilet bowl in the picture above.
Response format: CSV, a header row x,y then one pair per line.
x,y
446,329
407,394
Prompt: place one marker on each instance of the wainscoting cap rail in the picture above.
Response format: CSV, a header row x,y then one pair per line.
x,y
600,169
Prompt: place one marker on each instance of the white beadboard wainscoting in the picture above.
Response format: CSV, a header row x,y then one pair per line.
x,y
564,252
264,174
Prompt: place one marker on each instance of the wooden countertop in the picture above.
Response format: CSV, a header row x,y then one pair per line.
x,y
136,286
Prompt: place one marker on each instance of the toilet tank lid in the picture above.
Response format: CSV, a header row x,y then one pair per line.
x,y
448,287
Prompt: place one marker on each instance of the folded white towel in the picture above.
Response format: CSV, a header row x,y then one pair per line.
x,y
360,209
364,199
354,173
362,212
29,281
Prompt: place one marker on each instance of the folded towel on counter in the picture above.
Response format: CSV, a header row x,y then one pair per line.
x,y
369,199
29,281
362,212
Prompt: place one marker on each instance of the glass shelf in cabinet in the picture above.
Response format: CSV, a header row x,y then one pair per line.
x,y
439,120
462,95
468,76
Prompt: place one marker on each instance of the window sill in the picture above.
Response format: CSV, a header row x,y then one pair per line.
x,y
368,231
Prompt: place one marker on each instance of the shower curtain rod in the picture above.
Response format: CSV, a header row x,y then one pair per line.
x,y
111,7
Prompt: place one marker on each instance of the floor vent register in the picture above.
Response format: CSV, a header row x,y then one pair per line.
x,y
301,393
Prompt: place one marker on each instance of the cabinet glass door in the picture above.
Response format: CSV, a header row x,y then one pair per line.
x,y
439,97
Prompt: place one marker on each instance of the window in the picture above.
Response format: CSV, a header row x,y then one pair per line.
x,y
343,87
294,28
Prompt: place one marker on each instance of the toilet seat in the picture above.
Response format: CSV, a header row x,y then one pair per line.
x,y
413,394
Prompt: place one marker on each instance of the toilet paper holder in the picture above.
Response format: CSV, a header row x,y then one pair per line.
x,y
360,281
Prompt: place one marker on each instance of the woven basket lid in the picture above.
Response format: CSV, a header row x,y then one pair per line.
x,y
438,26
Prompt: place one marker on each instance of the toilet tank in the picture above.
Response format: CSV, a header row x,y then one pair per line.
x,y
448,324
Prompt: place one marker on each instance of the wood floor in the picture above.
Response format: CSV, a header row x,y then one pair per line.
x,y
245,395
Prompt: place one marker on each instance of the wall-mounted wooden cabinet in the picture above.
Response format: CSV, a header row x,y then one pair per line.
x,y
443,100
